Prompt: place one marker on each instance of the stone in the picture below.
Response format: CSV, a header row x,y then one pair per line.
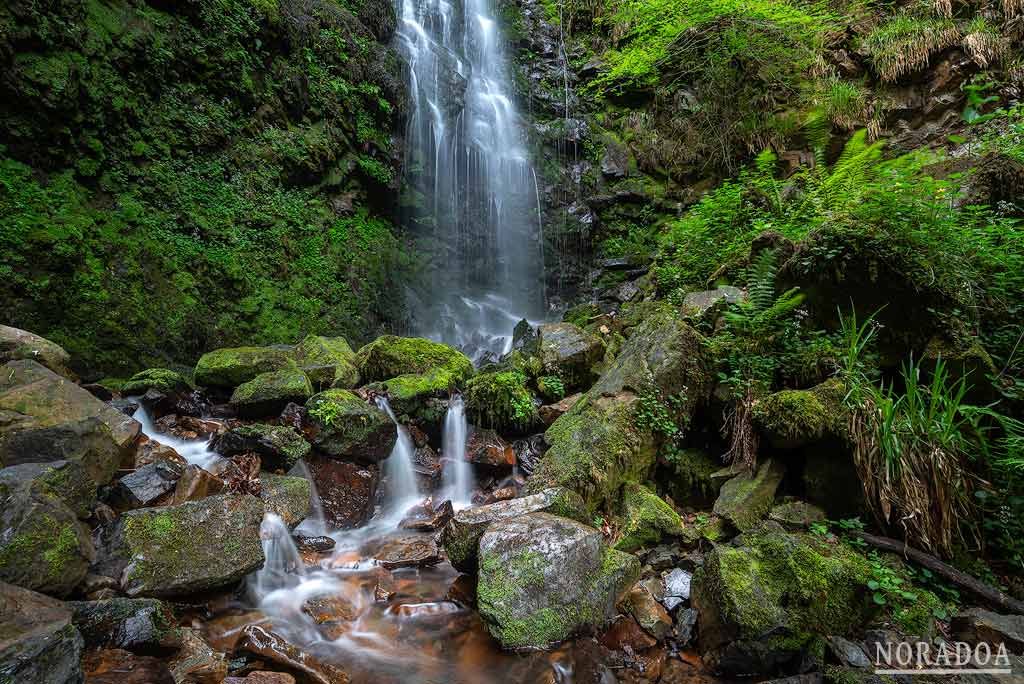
x,y
697,304
428,468
145,486
285,496
196,483
196,662
766,599
163,380
500,400
427,518
747,498
38,643
266,644
117,666
615,162
796,515
542,578
677,584
152,451
569,352
645,519
549,413
332,614
317,544
791,419
462,534
268,393
408,552
328,362
66,481
648,612
278,446
347,427
21,345
848,653
682,631
262,677
389,357
528,452
692,480
487,449
347,491
137,625
231,367
977,625
188,548
626,633
45,417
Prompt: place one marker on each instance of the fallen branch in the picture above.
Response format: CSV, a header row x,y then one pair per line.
x,y
947,572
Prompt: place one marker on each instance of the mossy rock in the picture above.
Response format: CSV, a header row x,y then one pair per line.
x,y
768,598
268,393
795,418
748,497
796,515
67,481
390,356
229,368
161,379
134,624
39,643
16,344
418,396
328,361
345,426
501,401
645,518
287,497
278,446
544,578
570,353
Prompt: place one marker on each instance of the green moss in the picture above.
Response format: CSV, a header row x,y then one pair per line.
x,y
390,356
802,416
160,379
277,387
500,400
645,518
327,361
235,366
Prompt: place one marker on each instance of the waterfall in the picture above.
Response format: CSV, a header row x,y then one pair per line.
x,y
467,164
402,491
458,474
282,567
194,451
315,523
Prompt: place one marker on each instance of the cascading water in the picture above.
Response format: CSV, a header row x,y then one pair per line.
x,y
402,490
194,451
467,163
458,473
282,567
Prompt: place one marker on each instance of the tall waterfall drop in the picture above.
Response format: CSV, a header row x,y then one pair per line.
x,y
469,175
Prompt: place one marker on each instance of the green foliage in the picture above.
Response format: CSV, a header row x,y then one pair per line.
x,y
500,400
551,387
903,43
327,412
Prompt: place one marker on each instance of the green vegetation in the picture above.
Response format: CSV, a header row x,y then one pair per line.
x,y
501,400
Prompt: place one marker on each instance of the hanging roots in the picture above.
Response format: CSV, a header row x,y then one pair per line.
x,y
739,429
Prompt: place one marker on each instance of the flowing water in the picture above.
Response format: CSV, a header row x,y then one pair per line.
x,y
458,483
466,161
399,471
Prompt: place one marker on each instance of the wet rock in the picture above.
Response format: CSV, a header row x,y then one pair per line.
x,y
428,468
677,587
408,552
848,653
462,534
683,630
332,614
625,633
616,160
144,486
262,677
542,578
287,497
38,643
229,368
328,362
549,413
293,416
21,345
99,391
500,399
196,483
274,648
66,481
647,612
529,451
645,519
45,417
347,490
137,625
162,380
747,498
278,446
427,518
345,426
317,544
117,666
196,662
182,549
977,625
698,304
126,406
524,337
796,515
188,427
486,448
502,494
152,451
764,600
268,393
569,352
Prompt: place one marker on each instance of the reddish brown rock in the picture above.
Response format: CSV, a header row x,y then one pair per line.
x,y
196,483
347,490
487,448
428,468
275,648
262,677
116,666
427,517
625,634
333,614
408,552
151,451
549,413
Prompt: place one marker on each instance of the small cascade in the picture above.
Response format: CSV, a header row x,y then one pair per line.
x,y
194,451
283,567
315,523
458,473
402,492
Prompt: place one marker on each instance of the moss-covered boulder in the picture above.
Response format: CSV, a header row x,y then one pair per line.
x,y
45,417
390,356
188,548
544,578
229,368
570,353
795,418
461,535
796,515
286,497
747,498
690,480
764,601
328,361
38,643
345,426
161,379
18,345
268,393
645,518
141,625
500,400
278,446
67,481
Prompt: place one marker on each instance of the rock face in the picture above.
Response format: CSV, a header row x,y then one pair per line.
x,y
145,486
278,446
762,600
977,625
543,578
268,393
569,352
44,417
138,625
38,643
348,427
462,534
347,490
229,368
645,518
747,498
19,345
191,547
486,448
287,497
328,362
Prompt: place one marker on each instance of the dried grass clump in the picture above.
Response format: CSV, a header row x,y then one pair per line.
x,y
905,43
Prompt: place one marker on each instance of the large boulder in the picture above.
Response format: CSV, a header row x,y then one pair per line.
x,y
345,426
162,380
20,345
544,578
328,361
285,496
191,547
645,519
66,481
748,497
139,625
766,599
461,535
268,393
229,368
794,418
45,417
347,490
569,352
38,643
278,446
